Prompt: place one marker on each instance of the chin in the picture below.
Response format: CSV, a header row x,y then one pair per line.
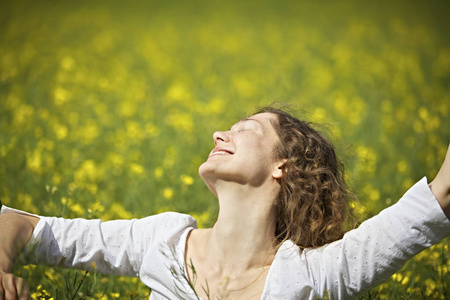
x,y
202,169
207,174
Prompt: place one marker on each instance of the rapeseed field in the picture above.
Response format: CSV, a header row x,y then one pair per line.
x,y
107,109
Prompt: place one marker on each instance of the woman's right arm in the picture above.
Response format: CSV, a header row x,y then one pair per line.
x,y
112,247
15,231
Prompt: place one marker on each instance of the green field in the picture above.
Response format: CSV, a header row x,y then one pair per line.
x,y
107,108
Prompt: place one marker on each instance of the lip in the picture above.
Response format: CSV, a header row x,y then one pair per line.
x,y
218,151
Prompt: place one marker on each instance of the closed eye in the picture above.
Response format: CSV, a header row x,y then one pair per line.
x,y
244,125
239,129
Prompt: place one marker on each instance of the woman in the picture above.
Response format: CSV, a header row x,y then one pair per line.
x,y
278,234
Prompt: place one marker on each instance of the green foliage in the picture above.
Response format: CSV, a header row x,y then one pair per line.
x,y
107,108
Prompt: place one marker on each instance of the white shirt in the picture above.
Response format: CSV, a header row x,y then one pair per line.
x,y
153,249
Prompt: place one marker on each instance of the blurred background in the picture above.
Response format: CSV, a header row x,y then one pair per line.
x,y
107,108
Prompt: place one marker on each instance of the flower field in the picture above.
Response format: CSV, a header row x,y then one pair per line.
x,y
107,109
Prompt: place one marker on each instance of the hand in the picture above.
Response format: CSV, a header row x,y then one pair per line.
x,y
12,288
440,186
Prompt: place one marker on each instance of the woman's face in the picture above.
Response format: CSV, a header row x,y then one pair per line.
x,y
244,154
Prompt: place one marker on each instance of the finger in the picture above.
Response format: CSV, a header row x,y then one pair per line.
x,y
22,289
446,163
2,292
440,186
9,287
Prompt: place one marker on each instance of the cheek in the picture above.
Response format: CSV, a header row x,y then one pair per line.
x,y
264,154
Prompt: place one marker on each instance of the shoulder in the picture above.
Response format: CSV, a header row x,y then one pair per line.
x,y
289,276
165,225
171,219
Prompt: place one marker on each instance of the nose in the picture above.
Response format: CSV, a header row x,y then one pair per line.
x,y
220,136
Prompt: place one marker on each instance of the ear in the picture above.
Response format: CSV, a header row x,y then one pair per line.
x,y
278,172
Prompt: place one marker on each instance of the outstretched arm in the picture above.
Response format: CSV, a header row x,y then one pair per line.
x,y
116,247
440,186
15,231
381,245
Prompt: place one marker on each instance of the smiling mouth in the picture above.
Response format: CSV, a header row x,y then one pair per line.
x,y
220,152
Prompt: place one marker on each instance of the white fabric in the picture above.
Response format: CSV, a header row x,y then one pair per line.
x,y
153,248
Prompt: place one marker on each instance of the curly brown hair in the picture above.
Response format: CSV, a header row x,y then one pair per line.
x,y
312,204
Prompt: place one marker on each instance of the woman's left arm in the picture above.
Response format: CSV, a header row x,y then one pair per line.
x,y
440,186
380,246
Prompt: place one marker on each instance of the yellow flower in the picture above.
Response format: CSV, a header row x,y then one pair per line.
x,y
56,179
443,269
115,159
368,156
319,115
136,168
402,166
30,268
159,171
89,132
34,161
371,193
101,296
49,274
61,131
76,208
341,105
433,123
181,121
186,179
88,170
25,200
430,286
67,62
202,219
401,278
178,92
214,106
357,108
168,193
424,114
407,184
358,208
23,114
118,211
60,95
134,130
96,207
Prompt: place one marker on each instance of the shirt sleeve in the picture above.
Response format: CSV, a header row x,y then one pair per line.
x,y
380,246
113,247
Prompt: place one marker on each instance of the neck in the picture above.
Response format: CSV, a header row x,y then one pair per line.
x,y
243,236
